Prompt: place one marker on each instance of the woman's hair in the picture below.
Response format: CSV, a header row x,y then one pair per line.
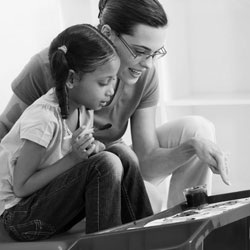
x,y
123,15
81,48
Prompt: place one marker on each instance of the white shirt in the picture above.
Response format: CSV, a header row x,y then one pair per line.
x,y
40,123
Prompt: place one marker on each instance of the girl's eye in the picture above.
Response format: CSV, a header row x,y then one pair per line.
x,y
103,84
109,81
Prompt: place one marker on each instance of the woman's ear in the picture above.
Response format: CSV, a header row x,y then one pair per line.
x,y
107,31
71,79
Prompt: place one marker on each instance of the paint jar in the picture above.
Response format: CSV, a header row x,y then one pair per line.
x,y
196,196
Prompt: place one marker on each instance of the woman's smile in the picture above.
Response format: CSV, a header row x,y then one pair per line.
x,y
135,73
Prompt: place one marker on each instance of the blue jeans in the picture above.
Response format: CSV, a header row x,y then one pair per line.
x,y
107,189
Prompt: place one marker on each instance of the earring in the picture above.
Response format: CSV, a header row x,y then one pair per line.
x,y
70,84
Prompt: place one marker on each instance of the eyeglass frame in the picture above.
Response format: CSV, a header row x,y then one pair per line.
x,y
125,43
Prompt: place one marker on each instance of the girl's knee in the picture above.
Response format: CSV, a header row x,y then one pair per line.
x,y
125,154
123,161
111,163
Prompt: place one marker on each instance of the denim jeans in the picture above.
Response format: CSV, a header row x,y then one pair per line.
x,y
107,189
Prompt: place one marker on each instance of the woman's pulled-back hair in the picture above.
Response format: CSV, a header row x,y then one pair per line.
x,y
123,15
81,48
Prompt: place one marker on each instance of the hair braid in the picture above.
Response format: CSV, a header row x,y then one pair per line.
x,y
59,62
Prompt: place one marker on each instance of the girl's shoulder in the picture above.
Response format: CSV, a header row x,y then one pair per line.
x,y
45,107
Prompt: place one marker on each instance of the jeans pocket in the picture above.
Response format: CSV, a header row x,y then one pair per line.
x,y
27,230
31,231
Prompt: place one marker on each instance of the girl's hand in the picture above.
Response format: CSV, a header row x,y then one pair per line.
x,y
210,153
99,146
82,143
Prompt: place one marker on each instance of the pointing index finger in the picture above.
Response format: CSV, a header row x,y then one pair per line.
x,y
223,168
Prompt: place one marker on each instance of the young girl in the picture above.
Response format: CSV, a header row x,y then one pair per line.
x,y
53,172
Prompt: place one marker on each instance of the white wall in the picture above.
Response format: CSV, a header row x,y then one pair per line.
x,y
27,26
208,74
79,11
208,46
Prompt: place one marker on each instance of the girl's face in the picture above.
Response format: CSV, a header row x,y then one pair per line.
x,y
95,89
147,40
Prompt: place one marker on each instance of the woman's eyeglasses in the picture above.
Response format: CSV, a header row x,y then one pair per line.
x,y
156,55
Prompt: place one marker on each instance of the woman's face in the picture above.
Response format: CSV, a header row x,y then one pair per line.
x,y
146,39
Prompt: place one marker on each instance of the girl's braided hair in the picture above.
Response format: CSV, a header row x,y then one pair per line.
x,y
81,48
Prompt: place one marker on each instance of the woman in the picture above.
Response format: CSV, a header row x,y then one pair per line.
x,y
184,148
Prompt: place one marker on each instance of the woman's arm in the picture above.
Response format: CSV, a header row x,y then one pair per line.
x,y
11,113
32,82
156,162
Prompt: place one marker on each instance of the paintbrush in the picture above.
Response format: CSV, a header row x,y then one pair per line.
x,y
92,130
104,127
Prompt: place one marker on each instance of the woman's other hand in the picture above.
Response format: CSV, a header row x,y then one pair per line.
x,y
211,154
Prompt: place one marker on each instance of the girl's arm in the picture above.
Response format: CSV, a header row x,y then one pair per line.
x,y
27,177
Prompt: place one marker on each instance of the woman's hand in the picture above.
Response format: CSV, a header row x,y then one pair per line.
x,y
82,143
210,153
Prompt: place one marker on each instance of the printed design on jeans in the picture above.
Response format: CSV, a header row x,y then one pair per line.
x,y
32,230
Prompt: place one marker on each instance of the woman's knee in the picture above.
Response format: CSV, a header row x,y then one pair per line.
x,y
180,130
201,127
